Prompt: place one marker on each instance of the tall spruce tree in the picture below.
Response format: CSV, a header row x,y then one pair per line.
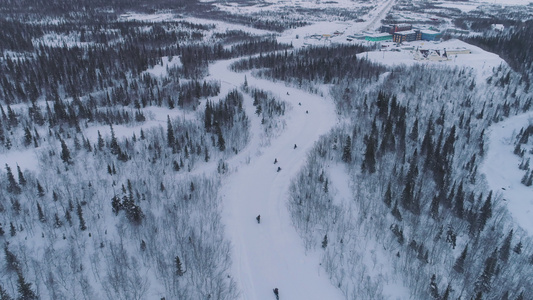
x,y
4,294
460,262
388,195
484,282
80,216
65,153
12,185
347,150
408,201
170,133
505,249
179,267
22,179
24,289
12,262
115,148
101,143
221,143
486,213
369,161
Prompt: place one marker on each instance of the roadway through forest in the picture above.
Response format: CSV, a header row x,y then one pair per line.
x,y
377,14
271,254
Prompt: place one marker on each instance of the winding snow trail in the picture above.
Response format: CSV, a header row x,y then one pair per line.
x,y
500,167
271,254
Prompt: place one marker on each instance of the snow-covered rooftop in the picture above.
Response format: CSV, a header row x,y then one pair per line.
x,y
407,32
429,32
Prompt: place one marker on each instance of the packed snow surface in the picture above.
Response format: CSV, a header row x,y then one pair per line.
x,y
271,254
500,168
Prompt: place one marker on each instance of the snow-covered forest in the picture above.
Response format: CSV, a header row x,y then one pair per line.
x,y
209,150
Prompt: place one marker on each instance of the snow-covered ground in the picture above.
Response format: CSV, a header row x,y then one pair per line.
x,y
25,159
468,6
480,60
506,2
500,168
463,6
158,17
376,261
271,254
277,5
300,37
160,70
221,26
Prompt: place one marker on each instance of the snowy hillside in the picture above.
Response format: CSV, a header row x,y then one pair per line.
x,y
265,150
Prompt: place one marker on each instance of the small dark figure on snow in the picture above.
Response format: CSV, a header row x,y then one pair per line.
x,y
258,218
306,111
275,160
279,169
276,292
300,103
295,146
287,93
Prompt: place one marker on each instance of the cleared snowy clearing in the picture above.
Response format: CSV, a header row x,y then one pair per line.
x,y
159,17
26,159
500,168
160,70
480,60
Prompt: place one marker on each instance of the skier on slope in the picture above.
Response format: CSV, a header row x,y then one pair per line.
x,y
276,292
258,218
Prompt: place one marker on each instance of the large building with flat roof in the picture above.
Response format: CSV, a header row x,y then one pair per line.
x,y
378,37
396,28
415,35
407,36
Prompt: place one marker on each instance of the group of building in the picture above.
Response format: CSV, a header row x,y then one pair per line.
x,y
438,55
400,33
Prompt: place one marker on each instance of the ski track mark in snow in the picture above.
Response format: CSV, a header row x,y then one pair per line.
x,y
271,254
